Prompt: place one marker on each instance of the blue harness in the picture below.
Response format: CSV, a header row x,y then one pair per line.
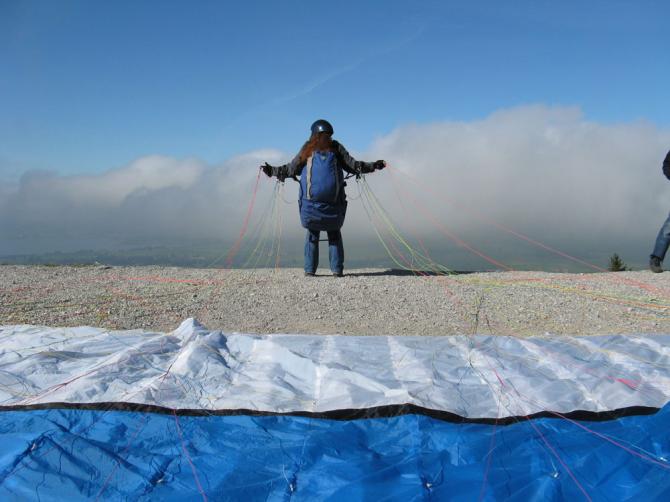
x,y
322,202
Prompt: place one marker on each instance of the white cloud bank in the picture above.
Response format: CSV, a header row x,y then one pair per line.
x,y
547,172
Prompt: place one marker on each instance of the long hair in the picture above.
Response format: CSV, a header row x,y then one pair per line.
x,y
317,141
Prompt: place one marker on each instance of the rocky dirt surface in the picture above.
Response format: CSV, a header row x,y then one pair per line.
x,y
364,302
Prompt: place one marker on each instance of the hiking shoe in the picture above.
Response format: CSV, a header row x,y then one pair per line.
x,y
655,264
338,274
309,274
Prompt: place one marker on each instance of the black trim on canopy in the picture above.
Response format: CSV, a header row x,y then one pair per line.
x,y
387,411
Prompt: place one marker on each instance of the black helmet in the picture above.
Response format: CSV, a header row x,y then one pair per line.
x,y
322,126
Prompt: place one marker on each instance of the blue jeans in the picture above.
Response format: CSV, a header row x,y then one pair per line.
x,y
335,251
662,240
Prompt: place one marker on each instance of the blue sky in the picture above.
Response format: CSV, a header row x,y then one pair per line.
x,y
86,86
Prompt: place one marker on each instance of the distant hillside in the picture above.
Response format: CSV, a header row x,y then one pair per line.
x,y
197,256
357,255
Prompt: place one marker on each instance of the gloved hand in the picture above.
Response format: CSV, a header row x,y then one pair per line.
x,y
267,169
379,164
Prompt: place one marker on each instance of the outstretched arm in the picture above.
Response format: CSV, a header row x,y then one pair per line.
x,y
293,168
354,166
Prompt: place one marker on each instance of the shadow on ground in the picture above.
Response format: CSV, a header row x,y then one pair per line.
x,y
401,272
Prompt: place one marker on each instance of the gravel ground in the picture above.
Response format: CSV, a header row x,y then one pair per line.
x,y
364,302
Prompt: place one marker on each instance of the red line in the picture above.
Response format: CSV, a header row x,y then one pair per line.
x,y
154,278
407,262
279,230
118,463
530,240
85,430
233,251
414,233
597,434
401,255
555,453
492,446
447,290
615,443
543,406
60,385
188,457
456,239
452,236
585,368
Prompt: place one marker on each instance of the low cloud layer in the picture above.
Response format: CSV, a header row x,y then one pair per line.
x,y
546,172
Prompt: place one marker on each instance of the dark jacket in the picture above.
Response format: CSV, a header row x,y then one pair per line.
x,y
666,166
319,215
344,160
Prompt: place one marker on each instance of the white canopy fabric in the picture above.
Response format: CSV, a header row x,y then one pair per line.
x,y
193,368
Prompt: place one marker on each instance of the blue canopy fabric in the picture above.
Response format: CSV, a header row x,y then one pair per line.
x,y
204,415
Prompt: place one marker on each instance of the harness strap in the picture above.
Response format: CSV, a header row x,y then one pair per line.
x,y
309,177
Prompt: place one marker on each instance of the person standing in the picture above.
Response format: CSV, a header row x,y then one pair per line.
x,y
322,202
663,238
